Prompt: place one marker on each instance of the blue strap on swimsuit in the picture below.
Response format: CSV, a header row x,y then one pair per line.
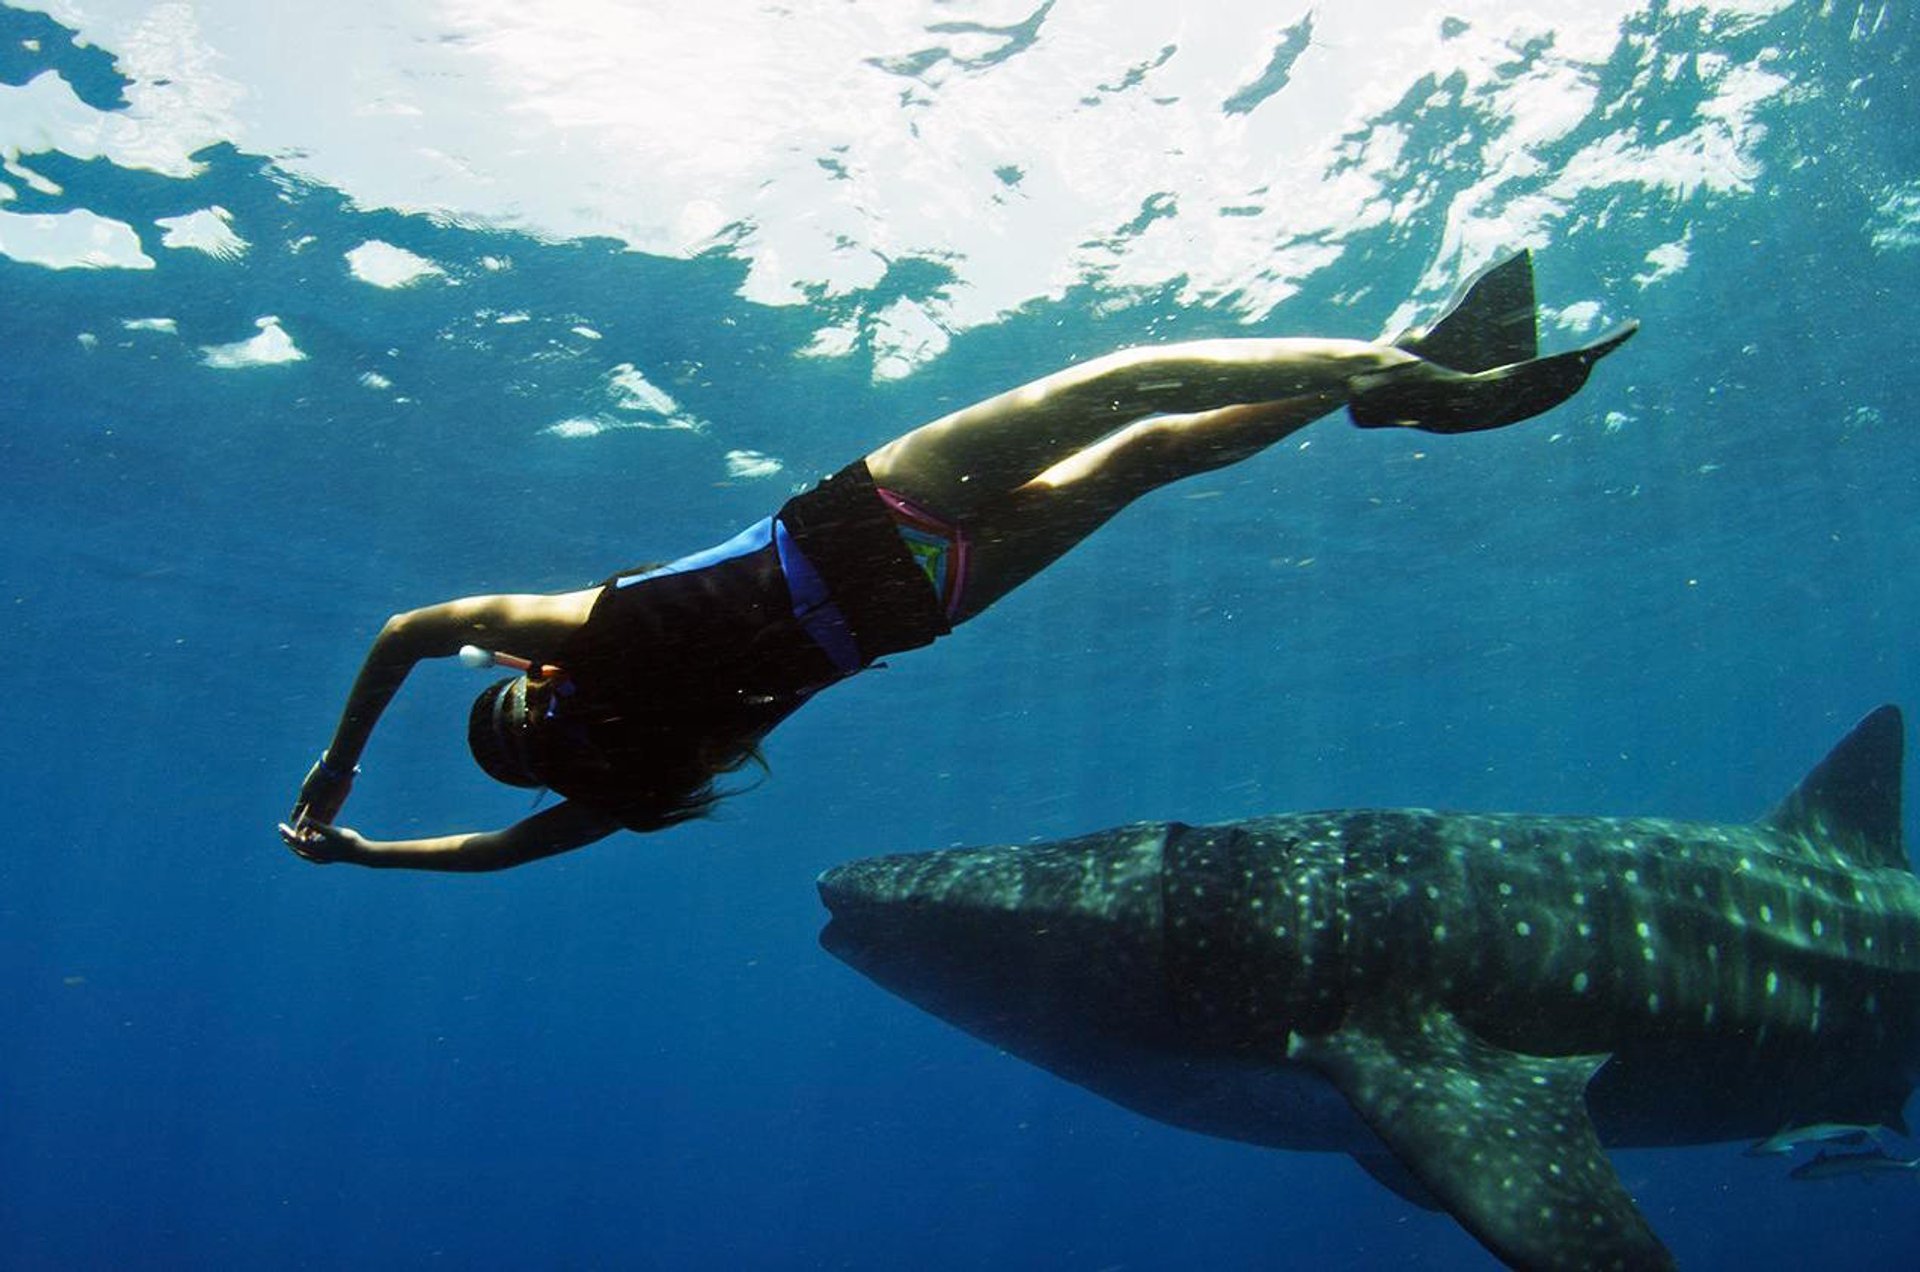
x,y
813,608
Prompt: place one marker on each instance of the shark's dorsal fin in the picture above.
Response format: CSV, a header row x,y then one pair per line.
x,y
1852,798
1503,1140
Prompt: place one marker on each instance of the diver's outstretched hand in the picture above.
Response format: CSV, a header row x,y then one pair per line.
x,y
321,843
323,793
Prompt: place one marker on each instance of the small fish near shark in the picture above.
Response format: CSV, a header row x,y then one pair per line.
x,y
1784,1141
1471,1005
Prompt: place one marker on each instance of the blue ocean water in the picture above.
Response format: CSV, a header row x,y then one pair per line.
x,y
1668,597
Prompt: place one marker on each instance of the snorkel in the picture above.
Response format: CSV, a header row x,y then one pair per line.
x,y
480,659
502,730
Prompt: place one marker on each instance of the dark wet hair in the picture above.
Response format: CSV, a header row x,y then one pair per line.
x,y
500,733
644,780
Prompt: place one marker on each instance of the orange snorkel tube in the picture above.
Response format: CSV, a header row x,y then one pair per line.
x,y
480,659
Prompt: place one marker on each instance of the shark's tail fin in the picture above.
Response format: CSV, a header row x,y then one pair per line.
x,y
1428,396
1489,322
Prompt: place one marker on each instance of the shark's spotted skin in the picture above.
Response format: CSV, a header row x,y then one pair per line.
x,y
1493,996
1500,1137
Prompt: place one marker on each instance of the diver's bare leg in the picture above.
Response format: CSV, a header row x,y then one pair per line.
x,y
1029,528
965,462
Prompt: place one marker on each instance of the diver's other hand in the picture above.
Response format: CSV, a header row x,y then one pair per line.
x,y
321,843
323,792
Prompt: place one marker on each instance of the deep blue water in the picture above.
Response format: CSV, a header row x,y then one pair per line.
x,y
636,1056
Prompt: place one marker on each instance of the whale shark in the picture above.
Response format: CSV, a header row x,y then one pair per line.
x,y
1474,1006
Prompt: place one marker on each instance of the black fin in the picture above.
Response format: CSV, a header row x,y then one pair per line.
x,y
1425,396
1489,322
1852,798
1502,1139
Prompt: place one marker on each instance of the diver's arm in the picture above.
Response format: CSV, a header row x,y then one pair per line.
x,y
524,624
559,829
516,623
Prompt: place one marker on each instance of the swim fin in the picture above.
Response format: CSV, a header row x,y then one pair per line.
x,y
1489,323
1435,398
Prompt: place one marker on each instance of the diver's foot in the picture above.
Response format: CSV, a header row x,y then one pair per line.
x,y
1425,396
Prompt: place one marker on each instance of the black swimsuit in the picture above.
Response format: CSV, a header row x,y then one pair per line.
x,y
715,649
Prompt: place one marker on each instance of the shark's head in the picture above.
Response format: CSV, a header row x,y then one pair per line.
x,y
1107,960
1150,938
1031,948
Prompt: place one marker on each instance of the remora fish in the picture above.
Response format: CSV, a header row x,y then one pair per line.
x,y
1785,1140
1836,1165
1495,997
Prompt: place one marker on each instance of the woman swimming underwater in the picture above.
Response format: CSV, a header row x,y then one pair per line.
x,y
636,694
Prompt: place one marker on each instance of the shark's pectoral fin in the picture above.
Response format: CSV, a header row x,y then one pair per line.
x,y
1502,1139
